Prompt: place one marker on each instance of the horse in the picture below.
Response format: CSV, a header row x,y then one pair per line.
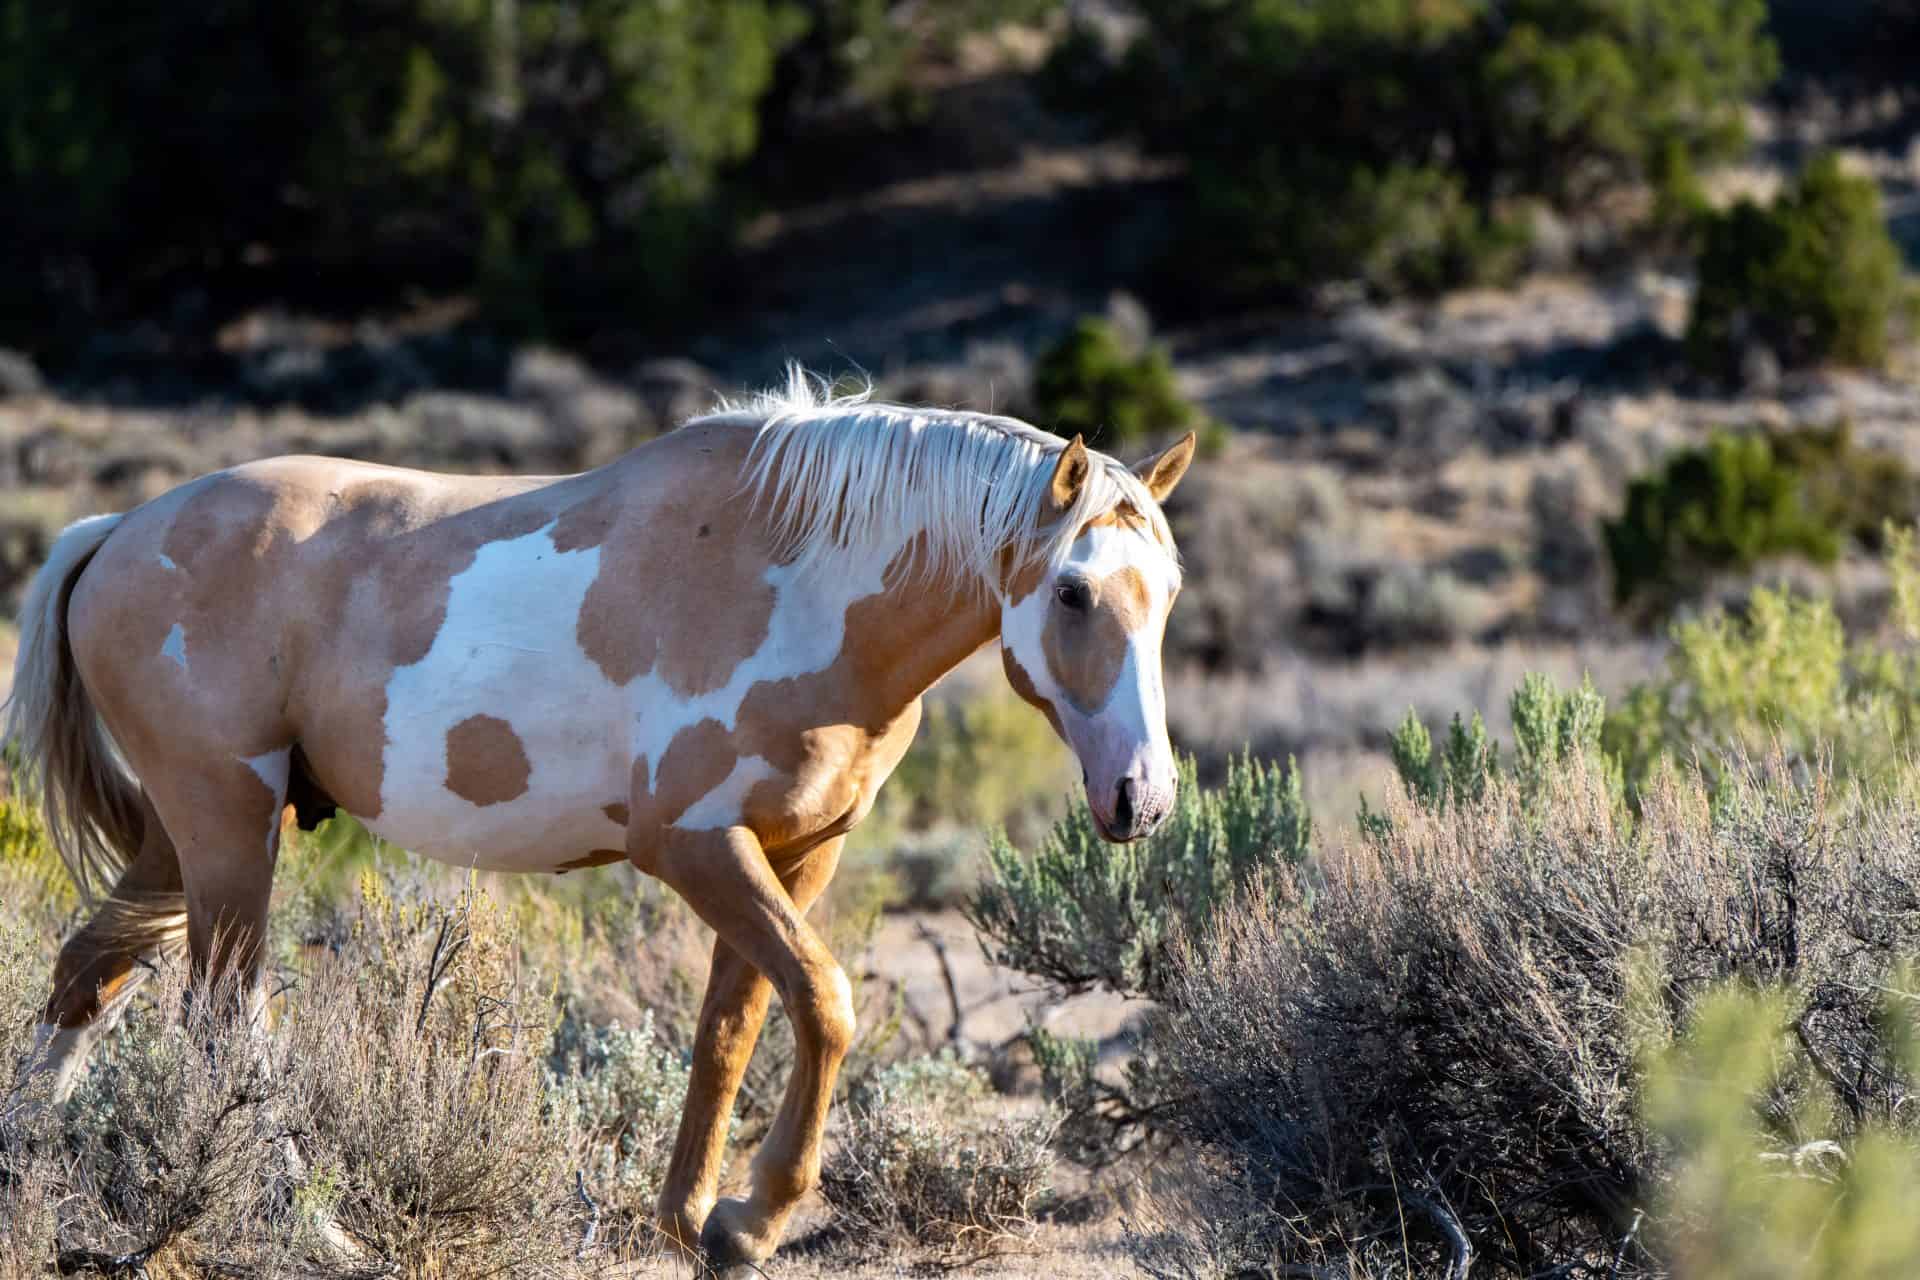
x,y
704,657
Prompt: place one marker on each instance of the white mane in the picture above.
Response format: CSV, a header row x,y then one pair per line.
x,y
841,475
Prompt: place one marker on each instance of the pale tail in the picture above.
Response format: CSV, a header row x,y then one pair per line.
x,y
92,805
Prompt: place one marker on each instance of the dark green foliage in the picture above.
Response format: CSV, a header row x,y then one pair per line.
x,y
544,147
1092,383
1743,497
1384,140
1814,276
860,53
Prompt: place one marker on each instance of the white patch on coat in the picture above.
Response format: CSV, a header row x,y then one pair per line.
x,y
166,562
721,807
272,768
509,648
176,646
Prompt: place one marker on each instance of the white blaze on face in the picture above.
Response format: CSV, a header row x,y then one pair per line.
x,y
1089,641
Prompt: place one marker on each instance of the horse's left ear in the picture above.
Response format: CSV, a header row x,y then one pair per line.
x,y
1070,475
1163,470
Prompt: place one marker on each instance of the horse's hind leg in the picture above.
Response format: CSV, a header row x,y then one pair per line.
x,y
106,960
224,818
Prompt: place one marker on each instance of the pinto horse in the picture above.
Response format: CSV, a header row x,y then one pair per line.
x,y
704,657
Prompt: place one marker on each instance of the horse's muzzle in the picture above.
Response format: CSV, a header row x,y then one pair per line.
x,y
1138,811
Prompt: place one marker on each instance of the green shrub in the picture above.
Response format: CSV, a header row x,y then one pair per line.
x,y
1814,276
1552,727
621,1089
1796,1191
1741,498
1091,383
1428,121
1784,676
1079,912
862,53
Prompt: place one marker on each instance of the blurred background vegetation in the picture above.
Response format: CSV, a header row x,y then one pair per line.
x,y
1540,902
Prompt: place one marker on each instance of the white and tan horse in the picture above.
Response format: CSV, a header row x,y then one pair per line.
x,y
705,657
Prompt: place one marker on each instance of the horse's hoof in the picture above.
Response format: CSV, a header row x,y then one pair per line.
x,y
729,1246
679,1232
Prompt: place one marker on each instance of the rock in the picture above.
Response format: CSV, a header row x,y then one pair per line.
x,y
480,432
1759,369
51,456
1425,413
674,390
18,375
1552,245
1131,323
603,417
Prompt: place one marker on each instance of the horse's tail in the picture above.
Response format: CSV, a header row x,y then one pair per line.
x,y
92,804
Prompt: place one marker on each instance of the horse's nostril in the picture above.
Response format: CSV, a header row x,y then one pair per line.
x,y
1123,806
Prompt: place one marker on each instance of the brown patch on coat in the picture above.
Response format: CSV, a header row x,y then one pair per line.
x,y
1087,651
587,523
616,813
486,763
383,569
697,760
301,584
681,591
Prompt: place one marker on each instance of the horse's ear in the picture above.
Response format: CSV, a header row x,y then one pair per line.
x,y
1070,474
1163,470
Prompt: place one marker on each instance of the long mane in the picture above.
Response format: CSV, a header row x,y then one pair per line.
x,y
843,475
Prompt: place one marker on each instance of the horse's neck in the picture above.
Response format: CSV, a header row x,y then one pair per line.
x,y
912,634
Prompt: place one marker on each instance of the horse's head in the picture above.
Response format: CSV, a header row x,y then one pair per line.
x,y
1080,640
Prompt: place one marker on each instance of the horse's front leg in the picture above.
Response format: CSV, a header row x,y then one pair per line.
x,y
725,877
730,1018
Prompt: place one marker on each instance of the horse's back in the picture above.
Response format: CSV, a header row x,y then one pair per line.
x,y
451,656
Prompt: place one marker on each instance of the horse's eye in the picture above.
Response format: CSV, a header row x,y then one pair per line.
x,y
1073,595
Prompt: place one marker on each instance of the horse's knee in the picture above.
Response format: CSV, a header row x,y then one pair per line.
x,y
830,1012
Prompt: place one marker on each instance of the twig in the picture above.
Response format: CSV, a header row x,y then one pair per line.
x,y
1620,1254
76,1261
939,945
446,947
1449,1225
592,1230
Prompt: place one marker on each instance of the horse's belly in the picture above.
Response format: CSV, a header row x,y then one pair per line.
x,y
506,746
535,802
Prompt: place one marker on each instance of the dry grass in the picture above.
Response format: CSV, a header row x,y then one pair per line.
x,y
925,1160
456,1082
1434,1049
395,1120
